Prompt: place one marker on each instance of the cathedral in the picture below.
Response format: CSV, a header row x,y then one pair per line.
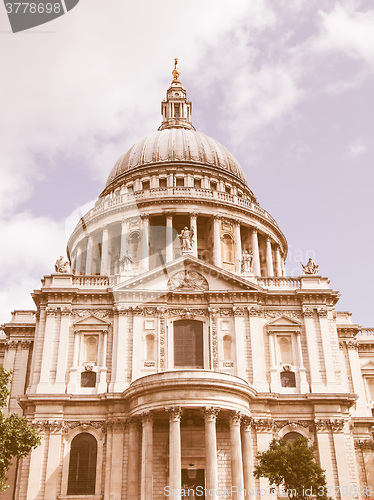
x,y
171,347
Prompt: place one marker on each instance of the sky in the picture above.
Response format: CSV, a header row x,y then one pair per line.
x,y
286,85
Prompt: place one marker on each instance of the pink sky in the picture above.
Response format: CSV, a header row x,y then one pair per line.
x,y
286,86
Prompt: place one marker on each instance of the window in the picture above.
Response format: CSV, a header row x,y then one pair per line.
x,y
285,349
90,349
197,183
227,347
133,245
177,111
150,346
288,379
370,386
82,465
146,185
88,379
179,181
188,344
228,189
162,183
292,436
213,185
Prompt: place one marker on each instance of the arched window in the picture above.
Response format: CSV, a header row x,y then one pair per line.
x,y
150,347
285,348
188,344
228,249
82,465
227,347
90,349
292,436
288,379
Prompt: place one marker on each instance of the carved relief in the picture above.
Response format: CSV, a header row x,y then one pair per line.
x,y
264,425
175,413
226,311
188,280
279,313
322,313
85,313
255,311
210,413
188,313
161,311
238,311
214,337
336,425
308,313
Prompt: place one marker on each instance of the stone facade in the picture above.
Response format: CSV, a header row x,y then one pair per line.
x,y
172,347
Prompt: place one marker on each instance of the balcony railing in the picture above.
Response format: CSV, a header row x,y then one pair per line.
x,y
113,200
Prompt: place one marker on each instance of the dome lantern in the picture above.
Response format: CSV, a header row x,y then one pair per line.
x,y
176,109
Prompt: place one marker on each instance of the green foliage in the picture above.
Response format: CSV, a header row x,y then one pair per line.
x,y
292,465
17,438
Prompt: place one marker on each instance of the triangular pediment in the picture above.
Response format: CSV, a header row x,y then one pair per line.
x,y
91,320
369,366
284,322
187,274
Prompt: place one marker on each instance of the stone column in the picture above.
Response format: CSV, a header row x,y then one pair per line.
x,y
103,386
78,261
357,380
247,449
210,416
104,252
256,253
145,242
133,463
239,322
48,344
315,375
278,261
326,343
89,254
175,462
269,258
193,227
217,260
169,238
304,385
147,457
124,230
121,344
76,348
63,345
238,248
325,452
342,454
236,457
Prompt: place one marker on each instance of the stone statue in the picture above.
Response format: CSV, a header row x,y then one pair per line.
x,y
186,239
247,261
310,268
126,262
62,266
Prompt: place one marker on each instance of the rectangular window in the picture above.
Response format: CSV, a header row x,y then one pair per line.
x,y
213,185
179,181
197,183
146,185
188,344
177,111
162,183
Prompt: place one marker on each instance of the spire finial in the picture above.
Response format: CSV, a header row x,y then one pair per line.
x,y
176,71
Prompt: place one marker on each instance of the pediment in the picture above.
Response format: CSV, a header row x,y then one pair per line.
x,y
91,320
369,366
187,274
283,323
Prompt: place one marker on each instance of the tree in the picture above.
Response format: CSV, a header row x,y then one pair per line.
x,y
291,464
17,437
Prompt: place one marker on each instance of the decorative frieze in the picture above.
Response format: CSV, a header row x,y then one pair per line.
x,y
188,280
324,425
255,311
214,337
281,312
187,312
162,333
225,311
264,425
65,311
51,311
238,311
294,424
85,313
365,444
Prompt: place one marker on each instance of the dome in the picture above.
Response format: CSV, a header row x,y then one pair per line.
x,y
172,145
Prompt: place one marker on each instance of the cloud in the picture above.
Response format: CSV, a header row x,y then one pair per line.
x,y
356,148
30,247
349,31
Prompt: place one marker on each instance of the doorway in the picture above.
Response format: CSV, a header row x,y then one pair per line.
x,y
191,480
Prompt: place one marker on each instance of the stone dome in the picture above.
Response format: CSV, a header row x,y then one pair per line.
x,y
178,144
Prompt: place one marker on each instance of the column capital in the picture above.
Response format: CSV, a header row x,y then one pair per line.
x,y
235,417
254,229
193,215
175,413
210,413
144,216
247,423
147,416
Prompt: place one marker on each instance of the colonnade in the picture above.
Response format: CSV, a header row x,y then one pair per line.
x,y
240,450
271,264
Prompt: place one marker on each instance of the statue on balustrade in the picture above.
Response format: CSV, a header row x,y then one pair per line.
x,y
62,266
247,261
310,268
186,239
